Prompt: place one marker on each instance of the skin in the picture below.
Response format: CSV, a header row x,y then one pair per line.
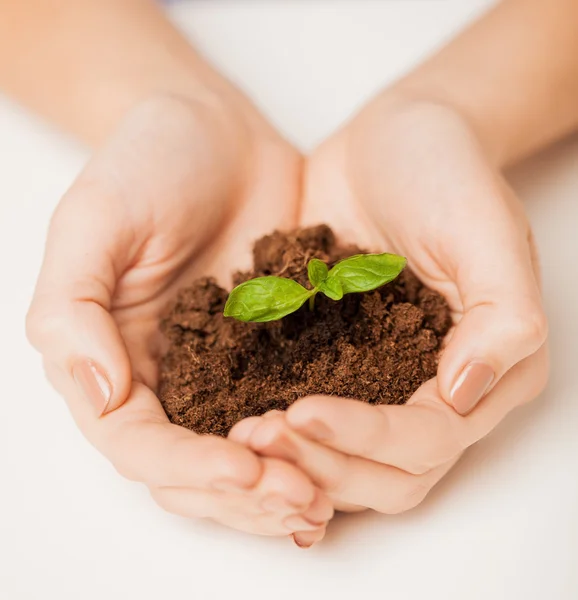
x,y
387,458
180,183
145,217
164,221
441,138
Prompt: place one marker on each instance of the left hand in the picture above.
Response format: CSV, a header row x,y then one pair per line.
x,y
177,192
375,182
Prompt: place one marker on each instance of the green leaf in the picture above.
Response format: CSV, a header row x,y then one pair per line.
x,y
366,272
265,299
332,288
317,271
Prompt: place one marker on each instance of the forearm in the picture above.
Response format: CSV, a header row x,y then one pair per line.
x,y
84,63
513,74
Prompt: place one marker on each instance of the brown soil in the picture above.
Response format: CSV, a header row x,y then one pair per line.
x,y
378,347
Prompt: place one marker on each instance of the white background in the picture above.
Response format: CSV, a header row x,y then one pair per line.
x,y
503,525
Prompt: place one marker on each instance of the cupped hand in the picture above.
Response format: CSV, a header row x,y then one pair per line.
x,y
181,189
412,178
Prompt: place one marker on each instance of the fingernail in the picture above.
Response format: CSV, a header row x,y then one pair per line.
x,y
471,386
278,504
299,541
93,384
316,430
300,523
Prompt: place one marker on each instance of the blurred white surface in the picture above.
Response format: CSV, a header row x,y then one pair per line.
x,y
504,523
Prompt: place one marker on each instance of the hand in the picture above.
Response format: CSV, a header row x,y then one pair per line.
x,y
182,189
413,179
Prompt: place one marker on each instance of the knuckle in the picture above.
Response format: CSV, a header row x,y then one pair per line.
x,y
42,326
36,325
531,326
538,328
420,468
336,479
126,469
162,501
167,502
224,457
410,498
158,497
540,374
333,484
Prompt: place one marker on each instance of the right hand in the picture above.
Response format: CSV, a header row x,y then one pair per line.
x,y
412,178
179,191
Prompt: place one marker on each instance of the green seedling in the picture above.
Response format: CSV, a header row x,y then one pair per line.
x,y
271,298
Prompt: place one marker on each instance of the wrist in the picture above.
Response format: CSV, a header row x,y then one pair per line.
x,y
94,118
401,100
89,63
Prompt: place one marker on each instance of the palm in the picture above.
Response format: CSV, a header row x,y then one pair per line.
x,y
181,190
417,183
329,198
334,196
396,190
199,219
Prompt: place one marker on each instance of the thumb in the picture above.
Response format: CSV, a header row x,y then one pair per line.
x,y
69,320
502,322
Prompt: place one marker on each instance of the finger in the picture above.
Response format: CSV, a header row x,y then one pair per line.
x,y
186,502
241,434
193,504
349,479
285,489
306,539
241,431
286,501
100,247
381,433
422,434
144,446
282,502
503,319
161,454
282,479
321,509
69,320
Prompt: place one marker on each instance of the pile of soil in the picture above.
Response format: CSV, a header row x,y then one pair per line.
x,y
378,346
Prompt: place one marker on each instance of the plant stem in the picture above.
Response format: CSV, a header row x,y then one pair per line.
x,y
312,298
